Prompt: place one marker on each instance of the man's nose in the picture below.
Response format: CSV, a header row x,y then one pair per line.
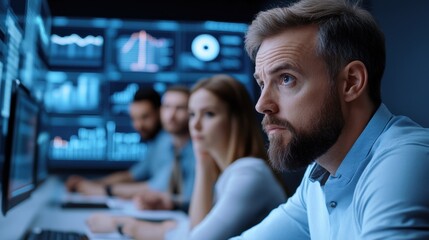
x,y
267,102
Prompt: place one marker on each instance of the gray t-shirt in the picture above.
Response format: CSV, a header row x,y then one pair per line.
x,y
245,193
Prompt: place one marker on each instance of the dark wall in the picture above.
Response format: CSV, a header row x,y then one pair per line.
x,y
405,86
217,10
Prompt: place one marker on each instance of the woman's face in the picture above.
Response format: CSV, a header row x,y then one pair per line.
x,y
209,122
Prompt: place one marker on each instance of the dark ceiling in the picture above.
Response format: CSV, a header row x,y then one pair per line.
x,y
221,10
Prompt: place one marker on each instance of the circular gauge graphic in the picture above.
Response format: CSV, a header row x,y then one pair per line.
x,y
205,47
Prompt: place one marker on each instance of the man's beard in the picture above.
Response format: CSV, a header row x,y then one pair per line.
x,y
306,145
149,134
177,129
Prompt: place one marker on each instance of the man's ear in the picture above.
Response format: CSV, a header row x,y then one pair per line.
x,y
354,80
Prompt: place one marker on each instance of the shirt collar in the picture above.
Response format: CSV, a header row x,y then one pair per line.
x,y
359,150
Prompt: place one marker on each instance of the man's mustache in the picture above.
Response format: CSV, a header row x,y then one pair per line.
x,y
269,120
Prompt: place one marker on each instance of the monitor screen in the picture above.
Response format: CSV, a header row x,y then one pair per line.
x,y
76,47
145,51
73,93
96,66
20,148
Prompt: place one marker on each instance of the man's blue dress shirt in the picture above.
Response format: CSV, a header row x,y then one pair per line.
x,y
378,192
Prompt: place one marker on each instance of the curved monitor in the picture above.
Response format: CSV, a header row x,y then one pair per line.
x,y
20,148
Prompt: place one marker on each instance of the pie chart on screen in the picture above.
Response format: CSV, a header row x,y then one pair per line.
x,y
205,47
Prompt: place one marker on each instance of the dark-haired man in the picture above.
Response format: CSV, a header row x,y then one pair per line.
x,y
144,111
154,171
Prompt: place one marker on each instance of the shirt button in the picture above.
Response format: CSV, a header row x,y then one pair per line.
x,y
333,204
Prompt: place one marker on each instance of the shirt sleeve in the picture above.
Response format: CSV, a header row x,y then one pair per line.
x,y
147,166
288,221
140,170
393,199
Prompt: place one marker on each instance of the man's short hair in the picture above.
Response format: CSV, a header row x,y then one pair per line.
x,y
148,94
347,32
179,88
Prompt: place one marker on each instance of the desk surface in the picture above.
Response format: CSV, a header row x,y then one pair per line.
x,y
43,210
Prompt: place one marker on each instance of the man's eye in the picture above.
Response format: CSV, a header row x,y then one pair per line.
x,y
209,114
287,79
261,85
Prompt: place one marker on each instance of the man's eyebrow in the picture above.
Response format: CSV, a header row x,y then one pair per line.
x,y
277,68
282,66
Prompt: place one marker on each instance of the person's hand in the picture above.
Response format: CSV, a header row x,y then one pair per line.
x,y
87,187
206,164
152,200
128,190
101,223
72,182
104,223
147,230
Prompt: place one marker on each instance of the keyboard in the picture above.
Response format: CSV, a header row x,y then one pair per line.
x,y
44,234
84,205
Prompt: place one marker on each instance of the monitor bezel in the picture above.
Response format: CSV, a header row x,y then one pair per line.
x,y
8,202
41,160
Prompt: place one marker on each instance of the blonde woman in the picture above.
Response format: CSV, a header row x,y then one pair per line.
x,y
234,186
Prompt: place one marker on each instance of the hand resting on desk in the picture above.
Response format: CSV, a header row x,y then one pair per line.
x,y
84,186
105,223
129,226
152,200
72,182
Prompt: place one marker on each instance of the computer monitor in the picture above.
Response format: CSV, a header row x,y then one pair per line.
x,y
41,172
20,148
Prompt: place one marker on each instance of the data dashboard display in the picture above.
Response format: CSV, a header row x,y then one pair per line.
x,y
96,66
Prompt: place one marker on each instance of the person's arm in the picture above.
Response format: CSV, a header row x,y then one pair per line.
x,y
105,223
207,172
98,187
128,190
129,226
84,186
121,184
116,177
247,192
289,219
153,200
72,182
139,229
